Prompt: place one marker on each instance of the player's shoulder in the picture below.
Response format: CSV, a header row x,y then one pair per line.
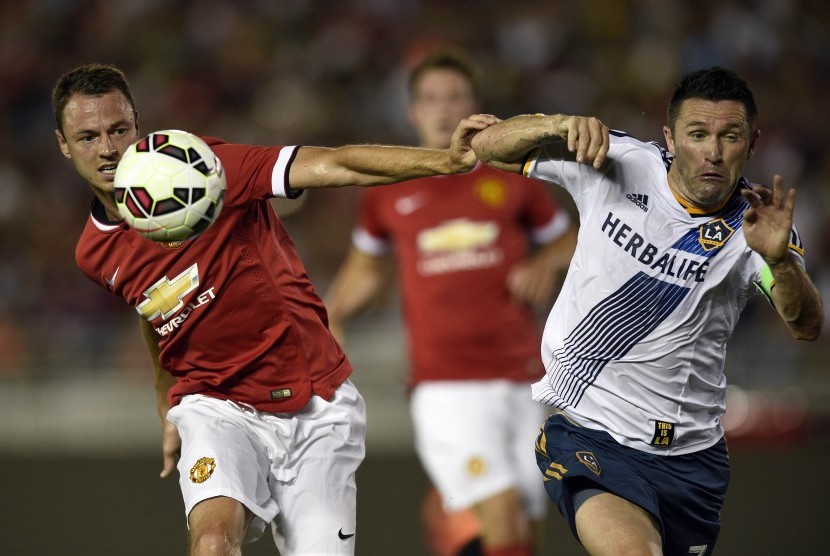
x,y
212,141
223,147
622,144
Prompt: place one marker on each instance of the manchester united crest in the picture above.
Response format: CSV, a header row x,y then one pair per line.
x,y
202,470
476,466
491,192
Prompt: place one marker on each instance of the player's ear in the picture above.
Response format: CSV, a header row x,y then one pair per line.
x,y
753,142
62,144
667,134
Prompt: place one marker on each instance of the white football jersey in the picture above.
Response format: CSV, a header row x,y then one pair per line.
x,y
636,341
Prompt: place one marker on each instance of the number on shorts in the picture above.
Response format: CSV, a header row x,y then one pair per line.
x,y
700,549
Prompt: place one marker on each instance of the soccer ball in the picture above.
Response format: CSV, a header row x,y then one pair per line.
x,y
169,186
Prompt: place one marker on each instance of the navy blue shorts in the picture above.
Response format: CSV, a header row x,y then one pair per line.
x,y
684,493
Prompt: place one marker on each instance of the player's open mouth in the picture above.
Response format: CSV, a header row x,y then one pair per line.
x,y
108,169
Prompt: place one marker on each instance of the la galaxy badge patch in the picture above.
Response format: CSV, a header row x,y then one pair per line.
x,y
713,234
589,460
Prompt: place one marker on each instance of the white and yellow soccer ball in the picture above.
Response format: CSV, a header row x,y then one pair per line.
x,y
169,186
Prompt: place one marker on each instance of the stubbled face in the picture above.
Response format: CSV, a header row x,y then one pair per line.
x,y
711,142
442,98
96,132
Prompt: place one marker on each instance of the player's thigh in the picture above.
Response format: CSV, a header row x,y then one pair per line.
x,y
463,440
318,502
220,456
575,460
610,525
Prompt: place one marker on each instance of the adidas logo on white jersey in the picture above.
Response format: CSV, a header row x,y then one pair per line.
x,y
639,199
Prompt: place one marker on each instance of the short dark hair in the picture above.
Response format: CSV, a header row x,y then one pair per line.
x,y
91,80
446,58
715,83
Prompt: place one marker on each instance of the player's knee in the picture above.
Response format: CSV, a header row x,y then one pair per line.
x,y
217,527
215,540
503,518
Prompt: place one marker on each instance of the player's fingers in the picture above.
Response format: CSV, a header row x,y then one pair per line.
x,y
477,122
583,140
168,467
789,202
598,146
573,135
752,197
763,193
468,125
489,119
778,190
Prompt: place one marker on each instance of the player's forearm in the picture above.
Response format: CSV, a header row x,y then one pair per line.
x,y
355,286
163,380
557,255
367,165
510,140
796,299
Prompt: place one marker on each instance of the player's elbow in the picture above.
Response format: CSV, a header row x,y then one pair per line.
x,y
480,146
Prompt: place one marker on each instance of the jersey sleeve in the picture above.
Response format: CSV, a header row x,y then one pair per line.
x,y
370,236
546,221
553,163
255,173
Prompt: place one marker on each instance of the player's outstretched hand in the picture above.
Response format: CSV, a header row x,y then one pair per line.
x,y
769,219
462,157
587,137
171,445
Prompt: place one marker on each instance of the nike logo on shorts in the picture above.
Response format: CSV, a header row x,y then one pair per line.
x,y
344,537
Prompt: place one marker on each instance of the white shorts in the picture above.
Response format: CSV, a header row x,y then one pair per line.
x,y
294,470
476,439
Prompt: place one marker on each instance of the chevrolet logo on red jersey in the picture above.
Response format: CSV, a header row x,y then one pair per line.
x,y
165,297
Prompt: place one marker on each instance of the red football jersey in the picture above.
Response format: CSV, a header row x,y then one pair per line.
x,y
238,316
456,238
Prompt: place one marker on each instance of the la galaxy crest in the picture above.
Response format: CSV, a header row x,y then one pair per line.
x,y
589,460
714,234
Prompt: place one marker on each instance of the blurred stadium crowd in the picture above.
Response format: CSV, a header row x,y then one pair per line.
x,y
329,72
